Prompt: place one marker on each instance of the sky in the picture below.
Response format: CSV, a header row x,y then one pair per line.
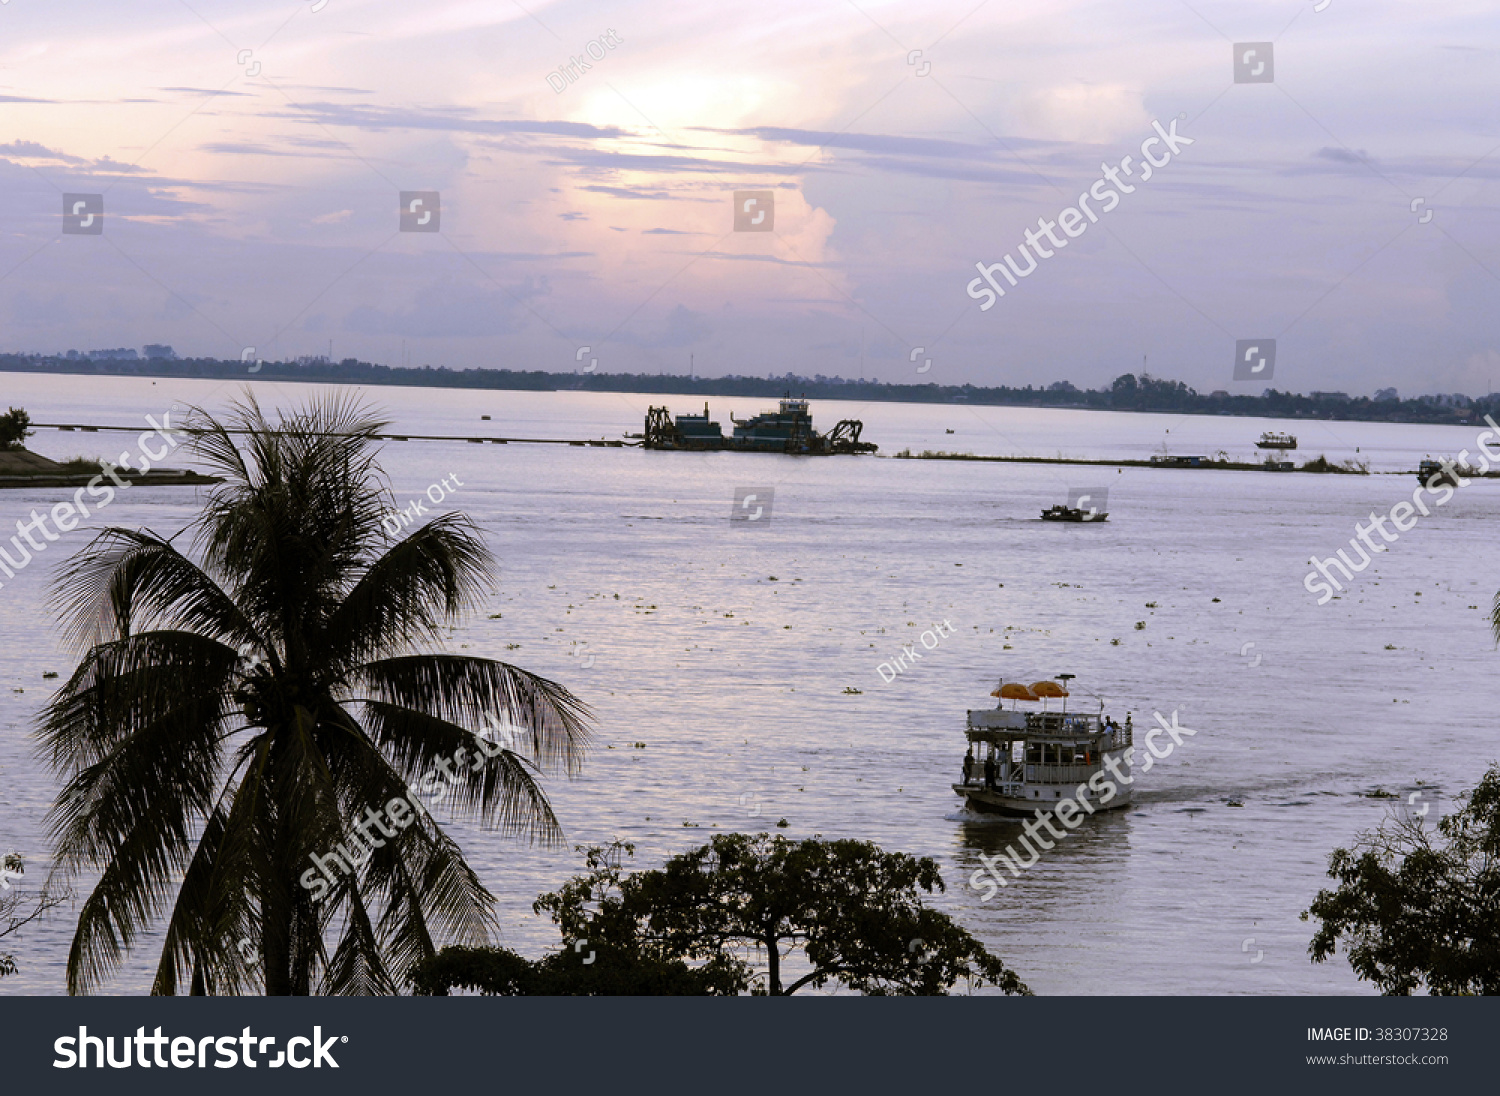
x,y
251,159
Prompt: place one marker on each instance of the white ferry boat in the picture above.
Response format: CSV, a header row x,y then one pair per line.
x,y
1021,762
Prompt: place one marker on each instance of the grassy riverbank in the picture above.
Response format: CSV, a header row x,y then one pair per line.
x,y
23,468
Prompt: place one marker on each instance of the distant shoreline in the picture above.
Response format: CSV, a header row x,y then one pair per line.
x,y
1128,393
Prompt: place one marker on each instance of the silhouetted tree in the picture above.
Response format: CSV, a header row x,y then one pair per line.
x,y
233,717
15,428
746,903
1420,907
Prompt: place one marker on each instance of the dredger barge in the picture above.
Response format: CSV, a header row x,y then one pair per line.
x,y
788,429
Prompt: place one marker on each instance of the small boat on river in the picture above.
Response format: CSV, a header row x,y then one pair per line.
x,y
1021,762
1274,439
1073,513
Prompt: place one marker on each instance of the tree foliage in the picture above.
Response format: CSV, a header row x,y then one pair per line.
x,y
15,428
232,716
751,906
1417,906
585,971
18,909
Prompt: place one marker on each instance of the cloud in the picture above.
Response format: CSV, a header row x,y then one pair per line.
x,y
337,218
211,91
456,119
1343,156
927,147
627,192
30,150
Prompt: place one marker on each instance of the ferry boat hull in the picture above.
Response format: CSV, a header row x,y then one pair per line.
x,y
1018,805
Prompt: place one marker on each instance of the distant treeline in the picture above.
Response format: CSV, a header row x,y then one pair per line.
x,y
1128,392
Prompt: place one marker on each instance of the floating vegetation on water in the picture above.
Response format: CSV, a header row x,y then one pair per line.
x,y
1348,468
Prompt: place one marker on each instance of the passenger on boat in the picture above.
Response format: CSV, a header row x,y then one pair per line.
x,y
989,771
968,764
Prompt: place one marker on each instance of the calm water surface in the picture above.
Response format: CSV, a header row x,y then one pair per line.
x,y
727,650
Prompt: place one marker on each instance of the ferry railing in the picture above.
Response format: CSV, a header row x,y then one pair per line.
x,y
1059,774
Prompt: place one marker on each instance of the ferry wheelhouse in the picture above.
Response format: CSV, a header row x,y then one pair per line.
x,y
1019,762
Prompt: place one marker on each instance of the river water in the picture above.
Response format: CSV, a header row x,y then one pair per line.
x,y
730,651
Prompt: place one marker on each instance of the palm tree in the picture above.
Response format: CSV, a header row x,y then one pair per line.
x,y
200,782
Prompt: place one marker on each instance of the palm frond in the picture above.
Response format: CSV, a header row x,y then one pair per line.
x,y
174,682
126,580
491,785
552,723
212,915
422,582
357,969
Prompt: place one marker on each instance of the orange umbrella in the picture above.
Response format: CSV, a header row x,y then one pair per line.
x,y
1047,690
1015,691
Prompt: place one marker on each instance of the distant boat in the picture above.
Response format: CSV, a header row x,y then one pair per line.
x,y
1273,439
1073,513
1434,475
